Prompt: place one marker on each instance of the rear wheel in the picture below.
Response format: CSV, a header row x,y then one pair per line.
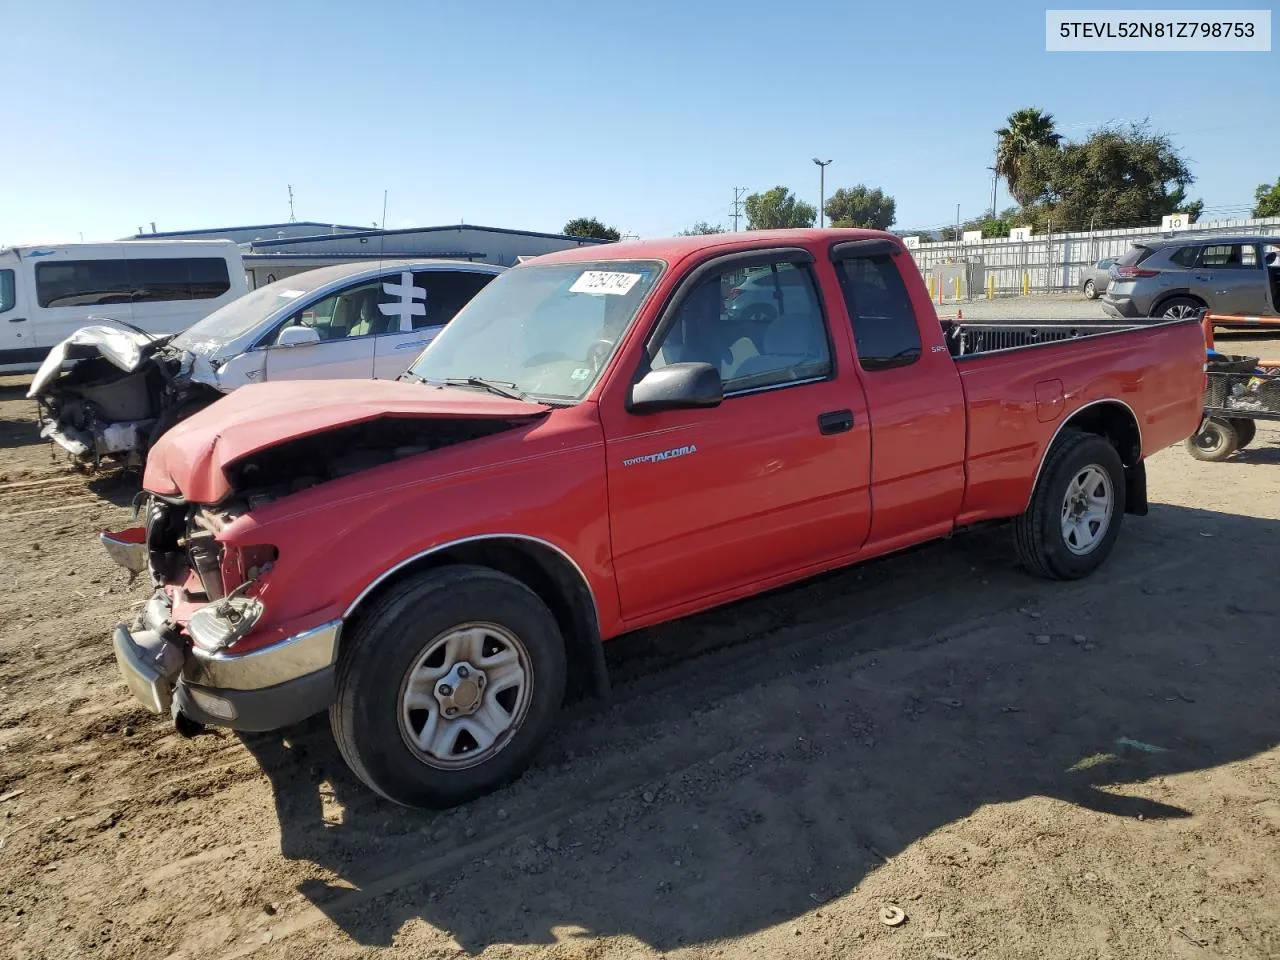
x,y
1246,430
1215,441
1090,290
1178,308
447,685
1074,517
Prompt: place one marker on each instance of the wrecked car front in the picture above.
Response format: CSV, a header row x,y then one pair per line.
x,y
269,516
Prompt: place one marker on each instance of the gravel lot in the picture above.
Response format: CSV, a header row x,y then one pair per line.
x,y
1026,770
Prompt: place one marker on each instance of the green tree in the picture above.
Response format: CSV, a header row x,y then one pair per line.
x,y
1117,177
590,227
861,206
1028,129
701,228
1268,199
777,209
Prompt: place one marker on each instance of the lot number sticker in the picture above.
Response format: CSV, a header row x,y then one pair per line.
x,y
603,281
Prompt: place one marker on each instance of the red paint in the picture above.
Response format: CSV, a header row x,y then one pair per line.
x,y
765,499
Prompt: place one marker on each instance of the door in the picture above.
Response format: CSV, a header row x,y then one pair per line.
x,y
415,307
916,404
345,323
772,481
1231,279
17,343
76,293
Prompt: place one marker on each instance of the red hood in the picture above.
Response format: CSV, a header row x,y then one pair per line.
x,y
190,459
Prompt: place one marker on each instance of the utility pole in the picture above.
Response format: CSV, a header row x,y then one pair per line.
x,y
737,202
995,176
822,189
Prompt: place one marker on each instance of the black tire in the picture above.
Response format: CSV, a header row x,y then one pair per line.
x,y
1215,441
1178,308
386,643
1246,430
1042,547
1090,290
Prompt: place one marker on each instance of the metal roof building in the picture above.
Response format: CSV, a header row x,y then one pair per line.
x,y
274,251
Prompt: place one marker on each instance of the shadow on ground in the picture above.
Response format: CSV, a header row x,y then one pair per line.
x,y
779,764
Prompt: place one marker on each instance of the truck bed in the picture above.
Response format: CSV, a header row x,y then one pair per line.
x,y
971,339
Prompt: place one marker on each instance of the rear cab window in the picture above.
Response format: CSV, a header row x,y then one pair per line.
x,y
885,330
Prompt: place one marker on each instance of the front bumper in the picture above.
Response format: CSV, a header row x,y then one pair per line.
x,y
264,689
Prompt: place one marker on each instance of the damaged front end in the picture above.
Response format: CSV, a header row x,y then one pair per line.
x,y
205,647
108,393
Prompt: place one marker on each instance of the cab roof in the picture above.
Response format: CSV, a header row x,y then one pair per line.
x,y
675,249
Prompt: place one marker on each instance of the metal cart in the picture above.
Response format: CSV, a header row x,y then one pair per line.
x,y
1238,392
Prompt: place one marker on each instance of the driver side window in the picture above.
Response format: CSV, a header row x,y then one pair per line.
x,y
759,327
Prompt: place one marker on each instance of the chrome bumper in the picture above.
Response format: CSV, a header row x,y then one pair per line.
x,y
154,667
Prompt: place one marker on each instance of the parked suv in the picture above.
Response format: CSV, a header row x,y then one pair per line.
x,y
1173,279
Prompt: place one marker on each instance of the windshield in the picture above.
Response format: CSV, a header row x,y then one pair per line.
x,y
240,316
545,331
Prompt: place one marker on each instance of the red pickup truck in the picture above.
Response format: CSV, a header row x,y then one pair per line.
x,y
606,439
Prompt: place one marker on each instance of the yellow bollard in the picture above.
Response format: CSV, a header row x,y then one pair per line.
x,y
931,293
1026,283
991,286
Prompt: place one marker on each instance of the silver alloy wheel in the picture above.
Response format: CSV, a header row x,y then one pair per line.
x,y
1086,509
466,695
1180,311
1089,289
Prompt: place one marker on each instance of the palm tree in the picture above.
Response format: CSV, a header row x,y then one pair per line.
x,y
1027,129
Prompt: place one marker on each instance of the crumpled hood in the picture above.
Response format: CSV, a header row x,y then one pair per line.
x,y
119,345
190,460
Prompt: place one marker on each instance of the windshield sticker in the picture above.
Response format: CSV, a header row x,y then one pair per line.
x,y
580,373
290,294
407,306
603,281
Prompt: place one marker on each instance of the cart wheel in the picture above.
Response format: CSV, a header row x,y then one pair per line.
x,y
1216,441
1246,430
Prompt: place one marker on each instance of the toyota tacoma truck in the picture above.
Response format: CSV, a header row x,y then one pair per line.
x,y
597,443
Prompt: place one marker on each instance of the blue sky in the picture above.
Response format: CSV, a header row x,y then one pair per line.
x,y
525,115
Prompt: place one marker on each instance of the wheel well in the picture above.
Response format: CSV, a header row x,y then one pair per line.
x,y
1174,295
1114,422
550,575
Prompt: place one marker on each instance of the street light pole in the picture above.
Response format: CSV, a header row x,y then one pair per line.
x,y
822,188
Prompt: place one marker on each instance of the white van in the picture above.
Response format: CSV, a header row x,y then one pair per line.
x,y
160,286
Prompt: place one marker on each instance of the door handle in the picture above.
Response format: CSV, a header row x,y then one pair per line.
x,y
1204,279
837,421
17,319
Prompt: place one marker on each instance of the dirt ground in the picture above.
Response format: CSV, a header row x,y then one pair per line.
x,y
1024,769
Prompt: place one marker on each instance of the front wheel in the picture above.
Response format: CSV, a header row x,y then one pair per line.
x,y
1090,290
1216,440
1073,519
447,685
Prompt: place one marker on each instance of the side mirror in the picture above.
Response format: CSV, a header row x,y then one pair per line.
x,y
680,386
297,336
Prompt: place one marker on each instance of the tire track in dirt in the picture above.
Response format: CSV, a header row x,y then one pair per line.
x,y
740,672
